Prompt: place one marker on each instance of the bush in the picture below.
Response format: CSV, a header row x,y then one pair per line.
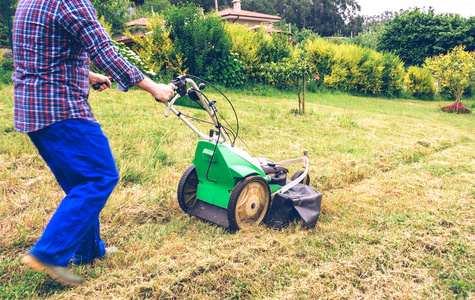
x,y
256,48
6,69
157,51
150,7
456,108
134,59
420,83
304,34
229,71
415,35
393,75
201,39
355,69
320,56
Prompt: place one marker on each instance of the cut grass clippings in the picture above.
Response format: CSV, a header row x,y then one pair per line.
x,y
397,222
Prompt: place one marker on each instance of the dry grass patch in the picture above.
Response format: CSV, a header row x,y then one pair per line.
x,y
397,216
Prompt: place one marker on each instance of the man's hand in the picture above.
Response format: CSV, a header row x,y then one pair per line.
x,y
95,78
159,91
163,92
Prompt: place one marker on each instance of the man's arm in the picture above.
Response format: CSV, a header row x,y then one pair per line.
x,y
159,91
78,17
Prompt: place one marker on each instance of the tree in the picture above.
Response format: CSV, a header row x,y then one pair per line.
x,y
6,20
154,6
324,17
260,6
206,5
373,27
415,35
115,12
291,73
455,70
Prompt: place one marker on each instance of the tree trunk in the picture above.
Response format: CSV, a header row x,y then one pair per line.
x,y
303,96
458,95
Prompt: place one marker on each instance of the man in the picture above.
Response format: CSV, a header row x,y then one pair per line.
x,y
52,40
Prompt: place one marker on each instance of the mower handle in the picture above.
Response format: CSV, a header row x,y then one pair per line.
x,y
299,179
179,86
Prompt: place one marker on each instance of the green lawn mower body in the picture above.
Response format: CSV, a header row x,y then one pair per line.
x,y
225,185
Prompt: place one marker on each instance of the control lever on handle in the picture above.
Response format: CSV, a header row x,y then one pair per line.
x,y
169,104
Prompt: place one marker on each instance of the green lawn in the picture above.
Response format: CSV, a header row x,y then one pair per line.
x,y
398,219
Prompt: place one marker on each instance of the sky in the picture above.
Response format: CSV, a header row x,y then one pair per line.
x,y
465,8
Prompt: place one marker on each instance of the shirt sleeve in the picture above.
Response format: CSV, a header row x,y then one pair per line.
x,y
78,17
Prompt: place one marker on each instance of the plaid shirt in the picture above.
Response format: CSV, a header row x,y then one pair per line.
x,y
52,40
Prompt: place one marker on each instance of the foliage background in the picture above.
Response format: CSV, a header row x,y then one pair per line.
x,y
415,35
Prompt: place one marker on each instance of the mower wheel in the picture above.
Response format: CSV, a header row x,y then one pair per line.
x,y
305,181
248,202
187,188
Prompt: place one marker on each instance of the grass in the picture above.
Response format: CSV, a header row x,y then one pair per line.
x,y
398,179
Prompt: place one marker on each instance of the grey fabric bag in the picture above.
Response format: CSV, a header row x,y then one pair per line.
x,y
301,202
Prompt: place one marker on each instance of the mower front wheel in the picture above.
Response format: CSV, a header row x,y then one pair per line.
x,y
187,189
248,202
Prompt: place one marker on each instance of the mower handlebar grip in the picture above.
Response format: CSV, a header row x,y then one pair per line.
x,y
98,85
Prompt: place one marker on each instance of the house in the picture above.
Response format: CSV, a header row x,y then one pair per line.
x,y
135,27
252,19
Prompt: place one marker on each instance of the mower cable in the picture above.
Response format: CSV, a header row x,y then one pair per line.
x,y
234,110
212,157
235,134
230,129
227,130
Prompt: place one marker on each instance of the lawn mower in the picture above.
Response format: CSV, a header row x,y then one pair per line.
x,y
225,185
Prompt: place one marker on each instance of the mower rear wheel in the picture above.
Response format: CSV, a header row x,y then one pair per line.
x,y
248,202
305,181
187,188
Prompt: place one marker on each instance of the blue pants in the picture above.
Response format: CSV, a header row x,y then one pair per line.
x,y
79,155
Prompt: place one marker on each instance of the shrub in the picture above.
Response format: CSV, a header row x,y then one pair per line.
x,y
393,75
134,59
354,68
247,45
369,78
157,52
150,7
229,71
420,83
320,56
305,34
201,39
6,68
455,108
256,48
